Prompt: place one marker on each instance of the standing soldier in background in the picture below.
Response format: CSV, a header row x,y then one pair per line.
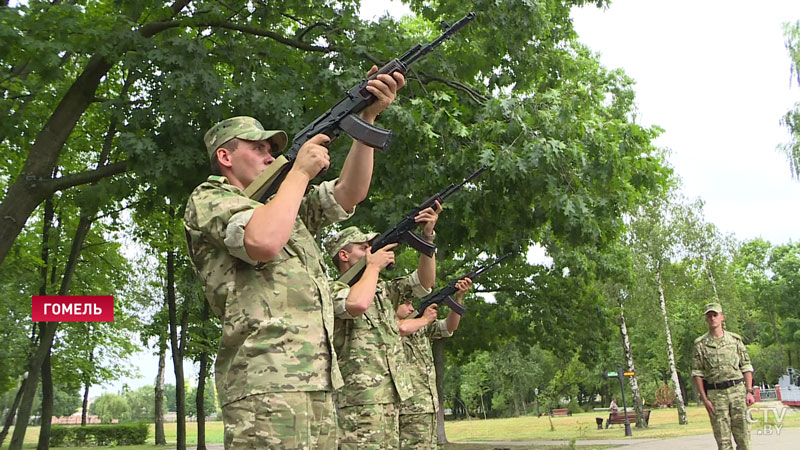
x,y
418,414
264,278
723,376
367,338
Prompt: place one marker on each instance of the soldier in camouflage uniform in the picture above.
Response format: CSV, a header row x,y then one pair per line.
x,y
418,413
265,280
723,376
367,338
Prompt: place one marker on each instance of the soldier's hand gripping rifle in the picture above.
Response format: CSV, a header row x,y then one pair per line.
x,y
402,231
445,294
343,116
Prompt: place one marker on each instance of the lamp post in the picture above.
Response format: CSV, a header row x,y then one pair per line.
x,y
621,376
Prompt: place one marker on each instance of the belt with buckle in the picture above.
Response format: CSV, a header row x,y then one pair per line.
x,y
721,384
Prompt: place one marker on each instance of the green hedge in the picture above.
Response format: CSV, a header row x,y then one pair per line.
x,y
121,434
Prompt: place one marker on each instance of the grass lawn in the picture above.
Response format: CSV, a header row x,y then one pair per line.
x,y
663,424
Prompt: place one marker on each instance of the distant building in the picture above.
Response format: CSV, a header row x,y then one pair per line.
x,y
75,419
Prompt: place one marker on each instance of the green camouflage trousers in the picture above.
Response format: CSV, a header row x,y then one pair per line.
x,y
730,408
418,431
281,420
369,427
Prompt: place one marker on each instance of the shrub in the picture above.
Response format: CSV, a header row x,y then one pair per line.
x,y
117,434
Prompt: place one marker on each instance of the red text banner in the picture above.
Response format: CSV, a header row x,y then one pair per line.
x,y
72,308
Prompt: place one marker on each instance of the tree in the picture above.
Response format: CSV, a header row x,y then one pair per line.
x,y
101,271
654,238
515,378
792,118
475,383
629,364
514,91
110,407
141,403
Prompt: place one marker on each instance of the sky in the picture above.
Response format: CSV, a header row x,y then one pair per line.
x,y
715,75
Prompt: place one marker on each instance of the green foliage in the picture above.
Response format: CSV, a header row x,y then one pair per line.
x,y
209,400
110,407
141,403
209,396
565,384
769,361
66,403
100,435
505,380
514,90
66,400
792,118
475,379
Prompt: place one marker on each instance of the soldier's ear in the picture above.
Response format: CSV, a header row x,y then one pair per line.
x,y
224,157
343,255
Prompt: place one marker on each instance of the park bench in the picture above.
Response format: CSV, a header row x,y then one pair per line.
x,y
560,412
619,417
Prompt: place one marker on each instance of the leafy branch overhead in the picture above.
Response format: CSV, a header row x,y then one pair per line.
x,y
513,90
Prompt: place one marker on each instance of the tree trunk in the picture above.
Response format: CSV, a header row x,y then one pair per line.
x,y
177,356
159,397
30,188
31,383
682,419
46,341
87,383
682,385
27,191
85,405
626,346
201,383
466,410
47,220
47,405
200,401
438,364
11,413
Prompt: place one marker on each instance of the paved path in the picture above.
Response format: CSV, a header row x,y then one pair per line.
x,y
788,439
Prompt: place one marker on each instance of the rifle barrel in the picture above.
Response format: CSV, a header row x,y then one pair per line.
x,y
427,48
496,262
450,190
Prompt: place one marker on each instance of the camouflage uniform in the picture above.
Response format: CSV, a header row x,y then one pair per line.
x,y
719,360
418,414
275,368
371,358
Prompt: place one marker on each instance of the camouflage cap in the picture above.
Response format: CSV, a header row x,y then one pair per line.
x,y
713,307
243,127
347,236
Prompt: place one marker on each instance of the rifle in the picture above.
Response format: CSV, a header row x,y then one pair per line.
x,y
343,116
402,231
445,294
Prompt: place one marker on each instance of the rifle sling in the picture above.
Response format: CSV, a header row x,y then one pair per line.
x,y
264,180
353,274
